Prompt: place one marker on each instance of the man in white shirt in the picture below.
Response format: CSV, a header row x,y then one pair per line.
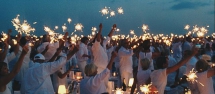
x,y
187,44
95,83
99,51
177,50
125,56
82,54
37,78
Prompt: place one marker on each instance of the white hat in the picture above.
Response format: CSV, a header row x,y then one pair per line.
x,y
206,57
39,56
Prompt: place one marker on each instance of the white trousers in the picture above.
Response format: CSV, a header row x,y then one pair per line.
x,y
81,65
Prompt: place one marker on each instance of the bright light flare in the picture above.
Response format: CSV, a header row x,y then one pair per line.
x,y
132,32
56,27
145,28
69,20
112,13
64,27
14,41
120,10
94,29
187,27
4,35
78,27
104,11
192,76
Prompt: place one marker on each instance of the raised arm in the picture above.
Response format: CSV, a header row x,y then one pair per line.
x,y
6,79
99,33
63,75
113,55
182,62
112,30
4,53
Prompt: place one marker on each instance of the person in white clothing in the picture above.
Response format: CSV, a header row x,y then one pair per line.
x,y
125,64
95,83
177,50
143,75
82,55
37,78
6,76
205,75
100,58
159,76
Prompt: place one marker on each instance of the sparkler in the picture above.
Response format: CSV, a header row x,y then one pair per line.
x,y
93,29
56,27
120,10
112,13
69,20
22,28
132,32
145,28
104,11
14,41
35,23
192,76
187,27
78,27
147,89
4,35
64,27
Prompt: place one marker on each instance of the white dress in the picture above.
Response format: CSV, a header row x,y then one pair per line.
x,y
207,82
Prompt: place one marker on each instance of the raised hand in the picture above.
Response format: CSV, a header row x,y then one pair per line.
x,y
25,50
114,26
100,25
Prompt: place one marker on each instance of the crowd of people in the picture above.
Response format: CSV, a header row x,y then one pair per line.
x,y
41,67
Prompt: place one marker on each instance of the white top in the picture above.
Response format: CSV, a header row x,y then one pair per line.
x,y
94,84
50,52
177,50
148,55
99,53
82,50
25,64
186,46
207,82
159,80
191,64
7,91
37,78
109,51
142,77
125,56
58,81
171,76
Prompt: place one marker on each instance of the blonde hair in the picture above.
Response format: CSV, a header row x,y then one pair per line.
x,y
145,63
90,69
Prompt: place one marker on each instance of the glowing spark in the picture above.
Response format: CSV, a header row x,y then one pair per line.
x,y
104,11
112,13
187,27
117,29
132,32
30,44
119,91
14,41
4,35
93,29
56,27
60,36
69,20
35,23
145,28
50,32
78,27
192,76
208,26
120,10
64,27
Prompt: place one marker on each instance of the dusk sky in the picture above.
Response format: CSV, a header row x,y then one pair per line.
x,y
162,16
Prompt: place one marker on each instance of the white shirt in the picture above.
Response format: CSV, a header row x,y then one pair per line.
x,y
82,50
159,80
99,54
177,50
50,52
94,84
37,78
171,76
186,46
142,77
25,64
58,81
125,56
191,64
207,82
109,51
148,55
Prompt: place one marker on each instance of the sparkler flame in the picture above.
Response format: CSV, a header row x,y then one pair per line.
x,y
112,13
132,32
69,20
192,76
187,27
120,10
4,35
104,11
78,27
145,28
64,27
